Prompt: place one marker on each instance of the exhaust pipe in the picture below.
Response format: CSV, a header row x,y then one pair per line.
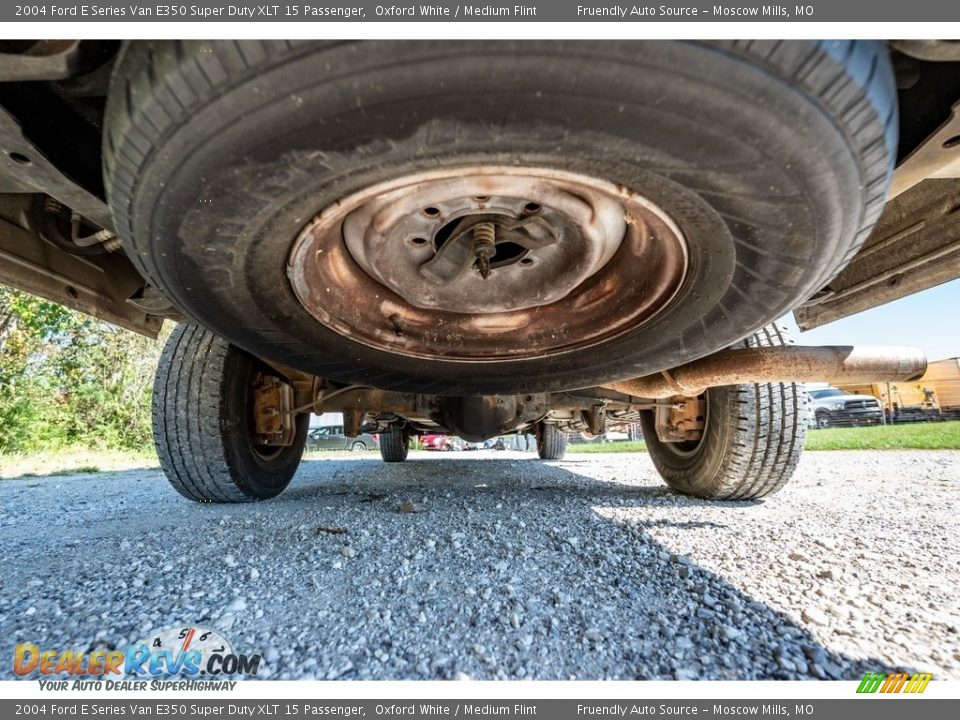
x,y
786,363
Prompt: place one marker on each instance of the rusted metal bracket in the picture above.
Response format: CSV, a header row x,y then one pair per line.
x,y
30,171
274,421
681,420
306,386
914,246
937,157
99,285
353,422
596,419
45,60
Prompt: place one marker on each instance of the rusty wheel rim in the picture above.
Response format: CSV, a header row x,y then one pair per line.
x,y
488,263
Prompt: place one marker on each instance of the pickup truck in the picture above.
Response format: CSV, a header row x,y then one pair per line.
x,y
482,238
831,407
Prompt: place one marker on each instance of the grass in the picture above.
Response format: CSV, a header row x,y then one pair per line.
x,y
914,436
77,460
73,461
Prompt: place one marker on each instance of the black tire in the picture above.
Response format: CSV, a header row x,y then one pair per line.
x,y
772,157
394,445
751,443
202,417
823,420
357,446
551,443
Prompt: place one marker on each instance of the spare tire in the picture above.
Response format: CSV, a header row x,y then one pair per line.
x,y
748,172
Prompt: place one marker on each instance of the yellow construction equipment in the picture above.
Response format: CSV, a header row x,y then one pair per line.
x,y
935,395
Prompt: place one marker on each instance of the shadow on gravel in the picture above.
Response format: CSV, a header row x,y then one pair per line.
x,y
506,570
616,601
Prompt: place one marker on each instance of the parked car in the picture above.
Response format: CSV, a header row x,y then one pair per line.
x,y
436,441
331,437
832,406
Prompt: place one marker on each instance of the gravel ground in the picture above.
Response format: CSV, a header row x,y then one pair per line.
x,y
507,568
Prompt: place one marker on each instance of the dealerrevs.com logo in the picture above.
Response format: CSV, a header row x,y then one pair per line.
x,y
194,653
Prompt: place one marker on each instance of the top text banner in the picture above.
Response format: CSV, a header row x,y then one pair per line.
x,y
551,11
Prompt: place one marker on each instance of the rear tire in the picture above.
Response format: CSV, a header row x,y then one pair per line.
x,y
394,445
751,443
202,423
358,447
551,443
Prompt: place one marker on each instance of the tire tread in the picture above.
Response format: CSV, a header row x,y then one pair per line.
x,y
394,445
551,442
188,418
752,449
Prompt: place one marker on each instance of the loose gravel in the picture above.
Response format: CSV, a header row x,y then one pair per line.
x,y
495,565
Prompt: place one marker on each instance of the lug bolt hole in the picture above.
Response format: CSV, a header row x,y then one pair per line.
x,y
531,208
951,142
19,158
418,241
481,198
431,212
527,261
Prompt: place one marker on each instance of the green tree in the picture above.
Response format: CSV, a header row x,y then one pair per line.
x,y
67,378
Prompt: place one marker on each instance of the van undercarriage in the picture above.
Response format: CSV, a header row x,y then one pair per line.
x,y
482,238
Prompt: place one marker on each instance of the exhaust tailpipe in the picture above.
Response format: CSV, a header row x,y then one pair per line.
x,y
787,363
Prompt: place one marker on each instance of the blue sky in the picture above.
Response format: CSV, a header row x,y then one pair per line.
x,y
929,320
